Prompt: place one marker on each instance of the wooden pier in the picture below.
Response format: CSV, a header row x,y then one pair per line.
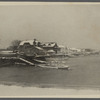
x,y
8,58
14,60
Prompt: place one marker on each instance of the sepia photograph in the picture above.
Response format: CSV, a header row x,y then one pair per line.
x,y
50,49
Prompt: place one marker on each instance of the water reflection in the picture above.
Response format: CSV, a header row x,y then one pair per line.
x,y
85,73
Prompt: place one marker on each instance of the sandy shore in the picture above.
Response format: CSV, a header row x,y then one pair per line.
x,y
18,91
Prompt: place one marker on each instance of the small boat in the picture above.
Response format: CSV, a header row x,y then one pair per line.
x,y
59,67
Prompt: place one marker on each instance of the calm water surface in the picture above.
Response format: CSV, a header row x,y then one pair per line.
x,y
84,73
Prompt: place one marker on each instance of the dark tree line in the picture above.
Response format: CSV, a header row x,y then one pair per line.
x,y
14,45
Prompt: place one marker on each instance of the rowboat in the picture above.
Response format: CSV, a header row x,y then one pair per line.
x,y
56,67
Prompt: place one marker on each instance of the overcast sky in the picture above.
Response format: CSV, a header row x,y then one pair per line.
x,y
72,25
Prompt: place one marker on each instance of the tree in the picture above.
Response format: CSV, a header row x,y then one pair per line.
x,y
14,45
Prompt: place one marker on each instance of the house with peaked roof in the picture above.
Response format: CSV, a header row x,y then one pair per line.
x,y
30,48
51,46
